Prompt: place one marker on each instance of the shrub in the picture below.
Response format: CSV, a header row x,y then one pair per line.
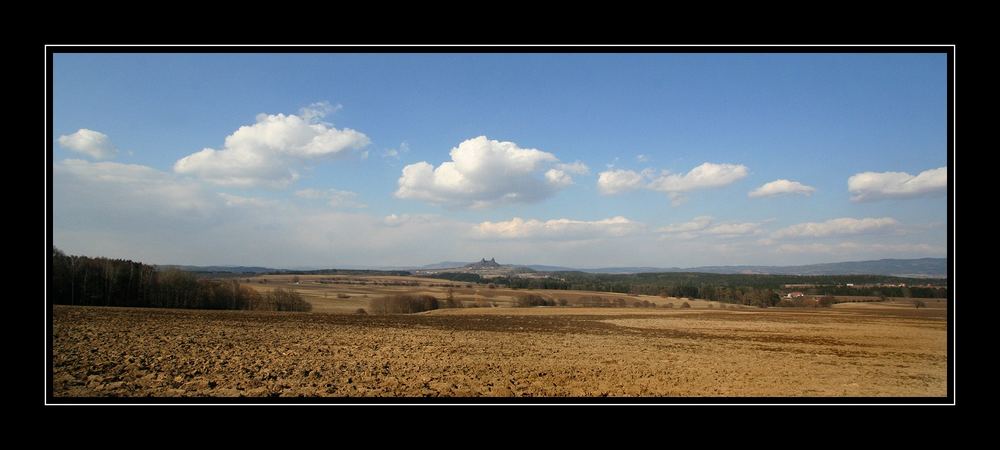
x,y
342,295
286,300
668,305
685,305
402,304
710,306
919,304
826,301
530,300
360,311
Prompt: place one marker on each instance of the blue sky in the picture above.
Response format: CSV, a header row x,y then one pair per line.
x,y
122,123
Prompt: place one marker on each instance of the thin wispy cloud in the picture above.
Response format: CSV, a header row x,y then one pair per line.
x,y
838,227
394,154
558,229
703,226
335,198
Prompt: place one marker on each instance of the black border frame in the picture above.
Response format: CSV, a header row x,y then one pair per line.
x,y
947,48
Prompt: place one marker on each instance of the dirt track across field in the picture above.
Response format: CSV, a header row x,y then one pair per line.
x,y
501,352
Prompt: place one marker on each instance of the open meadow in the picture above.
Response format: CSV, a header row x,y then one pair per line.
x,y
852,349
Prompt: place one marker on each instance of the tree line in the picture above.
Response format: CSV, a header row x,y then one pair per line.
x,y
82,280
880,291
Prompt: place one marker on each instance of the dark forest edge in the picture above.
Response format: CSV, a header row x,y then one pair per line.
x,y
82,280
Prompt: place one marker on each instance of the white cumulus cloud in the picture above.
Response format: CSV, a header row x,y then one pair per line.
x,y
557,229
781,187
483,173
707,175
838,227
867,186
265,153
616,181
92,143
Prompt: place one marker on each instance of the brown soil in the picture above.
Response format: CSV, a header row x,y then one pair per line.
x,y
845,351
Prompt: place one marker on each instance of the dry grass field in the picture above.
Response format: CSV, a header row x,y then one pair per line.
x,y
862,349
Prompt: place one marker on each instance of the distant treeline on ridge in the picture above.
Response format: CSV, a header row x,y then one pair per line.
x,y
731,288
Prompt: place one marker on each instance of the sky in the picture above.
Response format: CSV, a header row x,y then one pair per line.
x,y
582,160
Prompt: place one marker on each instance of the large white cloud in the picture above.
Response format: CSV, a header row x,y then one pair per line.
x,y
557,229
838,227
781,187
868,186
617,181
267,152
484,172
92,143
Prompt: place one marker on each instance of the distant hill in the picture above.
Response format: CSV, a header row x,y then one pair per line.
x,y
913,268
544,268
444,265
218,269
483,265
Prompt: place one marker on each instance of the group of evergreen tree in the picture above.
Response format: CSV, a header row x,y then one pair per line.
x,y
82,280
